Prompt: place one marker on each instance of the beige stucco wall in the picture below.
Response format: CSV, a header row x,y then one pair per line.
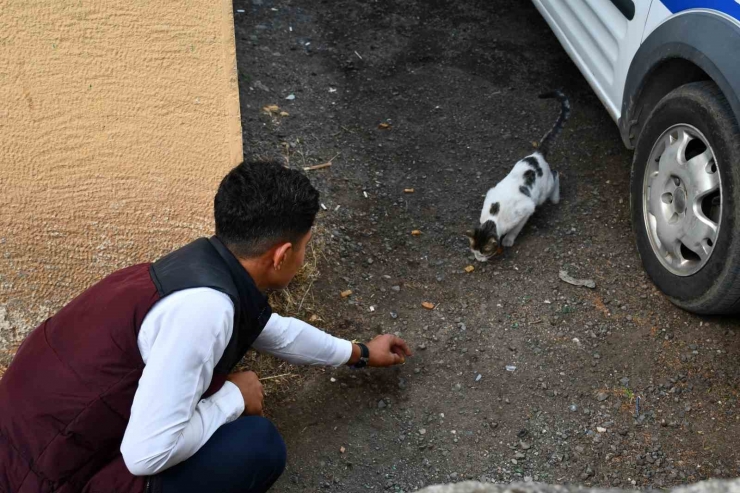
x,y
117,121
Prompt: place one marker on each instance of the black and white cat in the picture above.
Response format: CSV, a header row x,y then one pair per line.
x,y
509,205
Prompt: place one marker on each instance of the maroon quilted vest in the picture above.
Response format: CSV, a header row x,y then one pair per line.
x,y
66,398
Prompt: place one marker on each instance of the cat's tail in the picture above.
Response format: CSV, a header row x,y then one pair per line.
x,y
549,139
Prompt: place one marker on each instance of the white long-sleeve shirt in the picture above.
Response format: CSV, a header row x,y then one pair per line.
x,y
181,339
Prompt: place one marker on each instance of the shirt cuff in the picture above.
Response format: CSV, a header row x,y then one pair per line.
x,y
229,400
343,353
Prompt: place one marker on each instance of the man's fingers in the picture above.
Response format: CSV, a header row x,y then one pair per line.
x,y
394,347
397,351
397,356
398,342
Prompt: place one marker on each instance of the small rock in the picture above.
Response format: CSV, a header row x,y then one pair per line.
x,y
576,282
573,408
396,288
520,455
259,85
477,379
525,445
602,396
381,404
422,431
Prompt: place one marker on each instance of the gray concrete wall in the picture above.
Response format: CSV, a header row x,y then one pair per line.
x,y
732,486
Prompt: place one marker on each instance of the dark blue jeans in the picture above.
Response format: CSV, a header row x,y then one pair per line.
x,y
244,456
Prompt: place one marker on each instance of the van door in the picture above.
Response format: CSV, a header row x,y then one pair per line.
x,y
602,37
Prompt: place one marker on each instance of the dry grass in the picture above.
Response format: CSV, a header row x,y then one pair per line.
x,y
296,301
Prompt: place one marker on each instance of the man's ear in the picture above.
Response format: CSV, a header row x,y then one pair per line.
x,y
280,253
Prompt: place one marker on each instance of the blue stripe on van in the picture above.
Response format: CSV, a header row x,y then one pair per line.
x,y
729,7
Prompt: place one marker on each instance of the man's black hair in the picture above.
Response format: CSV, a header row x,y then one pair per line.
x,y
262,203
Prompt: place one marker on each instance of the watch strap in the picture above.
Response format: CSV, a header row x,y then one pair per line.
x,y
364,356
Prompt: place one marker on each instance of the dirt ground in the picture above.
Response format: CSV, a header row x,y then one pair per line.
x,y
456,83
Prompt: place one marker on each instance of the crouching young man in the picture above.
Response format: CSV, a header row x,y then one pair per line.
x,y
129,387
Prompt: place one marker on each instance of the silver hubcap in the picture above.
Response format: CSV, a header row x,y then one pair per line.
x,y
682,200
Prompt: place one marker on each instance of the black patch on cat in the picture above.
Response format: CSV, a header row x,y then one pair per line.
x,y
483,234
495,207
532,161
529,178
525,191
554,174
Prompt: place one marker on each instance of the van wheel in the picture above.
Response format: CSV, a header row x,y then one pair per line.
x,y
684,198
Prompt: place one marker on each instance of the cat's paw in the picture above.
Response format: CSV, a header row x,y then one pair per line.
x,y
508,242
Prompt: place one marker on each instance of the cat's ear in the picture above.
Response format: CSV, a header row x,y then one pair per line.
x,y
470,235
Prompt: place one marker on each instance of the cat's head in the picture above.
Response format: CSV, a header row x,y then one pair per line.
x,y
484,241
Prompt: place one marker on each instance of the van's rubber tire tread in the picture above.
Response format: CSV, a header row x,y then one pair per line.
x,y
715,289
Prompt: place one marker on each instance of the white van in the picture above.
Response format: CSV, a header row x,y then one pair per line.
x,y
668,72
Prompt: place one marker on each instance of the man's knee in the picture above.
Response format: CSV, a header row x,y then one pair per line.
x,y
265,436
245,455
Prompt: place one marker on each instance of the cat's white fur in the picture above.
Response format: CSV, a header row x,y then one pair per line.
x,y
509,205
515,208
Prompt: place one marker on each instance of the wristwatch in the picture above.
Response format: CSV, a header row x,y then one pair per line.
x,y
364,355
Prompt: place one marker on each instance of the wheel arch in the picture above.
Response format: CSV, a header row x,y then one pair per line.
x,y
690,47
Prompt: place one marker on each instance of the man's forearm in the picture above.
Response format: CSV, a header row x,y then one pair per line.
x,y
297,342
355,356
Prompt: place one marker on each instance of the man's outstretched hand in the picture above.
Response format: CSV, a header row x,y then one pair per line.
x,y
385,350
